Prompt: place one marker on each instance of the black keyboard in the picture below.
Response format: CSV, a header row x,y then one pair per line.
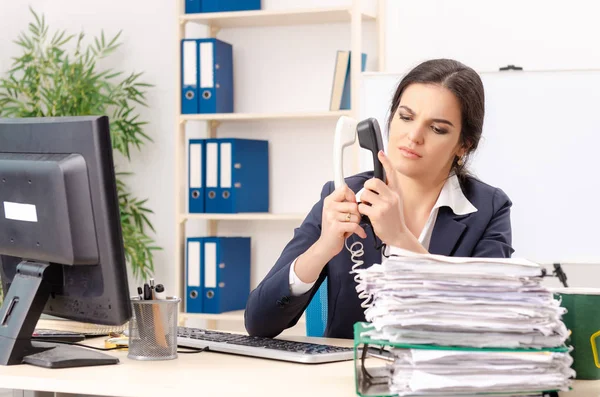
x,y
255,346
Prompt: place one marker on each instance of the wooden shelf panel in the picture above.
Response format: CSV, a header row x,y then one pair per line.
x,y
309,16
245,216
263,116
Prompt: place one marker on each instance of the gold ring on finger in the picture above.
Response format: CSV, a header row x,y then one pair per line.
x,y
348,217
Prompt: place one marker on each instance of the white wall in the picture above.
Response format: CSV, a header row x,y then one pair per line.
x,y
276,69
534,34
290,68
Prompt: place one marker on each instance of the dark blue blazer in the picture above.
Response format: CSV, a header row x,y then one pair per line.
x,y
271,308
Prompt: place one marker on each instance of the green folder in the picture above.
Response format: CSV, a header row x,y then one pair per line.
x,y
373,382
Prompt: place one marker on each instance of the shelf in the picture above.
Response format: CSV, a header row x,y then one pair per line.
x,y
262,116
274,17
244,217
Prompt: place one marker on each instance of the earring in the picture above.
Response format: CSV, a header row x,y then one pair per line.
x,y
460,161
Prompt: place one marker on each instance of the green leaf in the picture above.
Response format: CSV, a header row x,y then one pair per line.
x,y
52,78
113,42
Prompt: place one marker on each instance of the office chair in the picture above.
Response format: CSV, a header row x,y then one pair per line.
x,y
316,312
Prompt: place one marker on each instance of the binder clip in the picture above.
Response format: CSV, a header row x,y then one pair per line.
x,y
558,272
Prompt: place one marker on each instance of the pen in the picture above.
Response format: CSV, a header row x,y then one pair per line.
x,y
147,292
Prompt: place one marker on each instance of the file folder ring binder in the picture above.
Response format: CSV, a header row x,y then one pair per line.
x,y
189,77
196,175
229,5
215,75
193,6
206,76
237,175
226,273
193,275
217,274
373,380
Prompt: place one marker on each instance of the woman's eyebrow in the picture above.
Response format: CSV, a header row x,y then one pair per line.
x,y
409,110
443,121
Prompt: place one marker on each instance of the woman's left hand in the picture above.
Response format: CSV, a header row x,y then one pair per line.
x,y
386,210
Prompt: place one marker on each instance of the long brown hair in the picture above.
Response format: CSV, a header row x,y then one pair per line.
x,y
466,85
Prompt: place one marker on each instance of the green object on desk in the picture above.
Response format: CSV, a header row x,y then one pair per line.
x,y
582,319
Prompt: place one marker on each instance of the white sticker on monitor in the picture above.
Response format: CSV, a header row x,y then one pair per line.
x,y
20,212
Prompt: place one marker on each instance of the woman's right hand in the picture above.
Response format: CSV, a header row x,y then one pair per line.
x,y
336,226
340,219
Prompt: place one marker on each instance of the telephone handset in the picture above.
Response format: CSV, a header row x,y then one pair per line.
x,y
369,137
345,135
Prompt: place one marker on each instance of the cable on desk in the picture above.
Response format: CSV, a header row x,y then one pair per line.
x,y
192,350
86,346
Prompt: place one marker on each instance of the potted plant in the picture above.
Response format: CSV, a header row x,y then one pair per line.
x,y
48,80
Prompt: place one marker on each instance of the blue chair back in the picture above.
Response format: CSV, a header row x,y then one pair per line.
x,y
316,312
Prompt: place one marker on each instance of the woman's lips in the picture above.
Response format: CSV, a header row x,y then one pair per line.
x,y
411,154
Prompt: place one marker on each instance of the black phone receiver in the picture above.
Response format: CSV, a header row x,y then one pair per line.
x,y
369,137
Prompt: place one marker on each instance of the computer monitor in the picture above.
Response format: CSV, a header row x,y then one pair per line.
x,y
61,245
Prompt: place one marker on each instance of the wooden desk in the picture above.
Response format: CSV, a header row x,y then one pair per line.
x,y
205,374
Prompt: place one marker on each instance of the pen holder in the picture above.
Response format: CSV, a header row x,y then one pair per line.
x,y
153,329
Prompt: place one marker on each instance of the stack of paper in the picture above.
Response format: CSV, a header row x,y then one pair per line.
x,y
427,372
488,318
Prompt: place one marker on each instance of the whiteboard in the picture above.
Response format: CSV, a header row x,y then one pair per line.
x,y
540,145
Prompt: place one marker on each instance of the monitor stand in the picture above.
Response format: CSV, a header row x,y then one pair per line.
x,y
20,312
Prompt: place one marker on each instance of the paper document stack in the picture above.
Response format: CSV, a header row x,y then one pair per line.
x,y
466,325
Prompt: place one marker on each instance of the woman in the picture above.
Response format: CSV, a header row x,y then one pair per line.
x,y
428,204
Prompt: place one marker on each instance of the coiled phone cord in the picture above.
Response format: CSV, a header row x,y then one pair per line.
x,y
356,250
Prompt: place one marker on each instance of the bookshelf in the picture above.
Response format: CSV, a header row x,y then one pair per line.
x,y
355,14
243,217
263,116
310,16
211,319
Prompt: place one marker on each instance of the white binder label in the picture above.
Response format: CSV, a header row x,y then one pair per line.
x,y
226,165
210,265
190,62
20,212
195,165
206,65
193,264
212,167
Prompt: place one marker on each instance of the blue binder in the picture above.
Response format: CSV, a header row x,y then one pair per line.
x,y
226,275
229,5
194,290
237,175
196,175
346,93
189,76
192,6
215,75
206,76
